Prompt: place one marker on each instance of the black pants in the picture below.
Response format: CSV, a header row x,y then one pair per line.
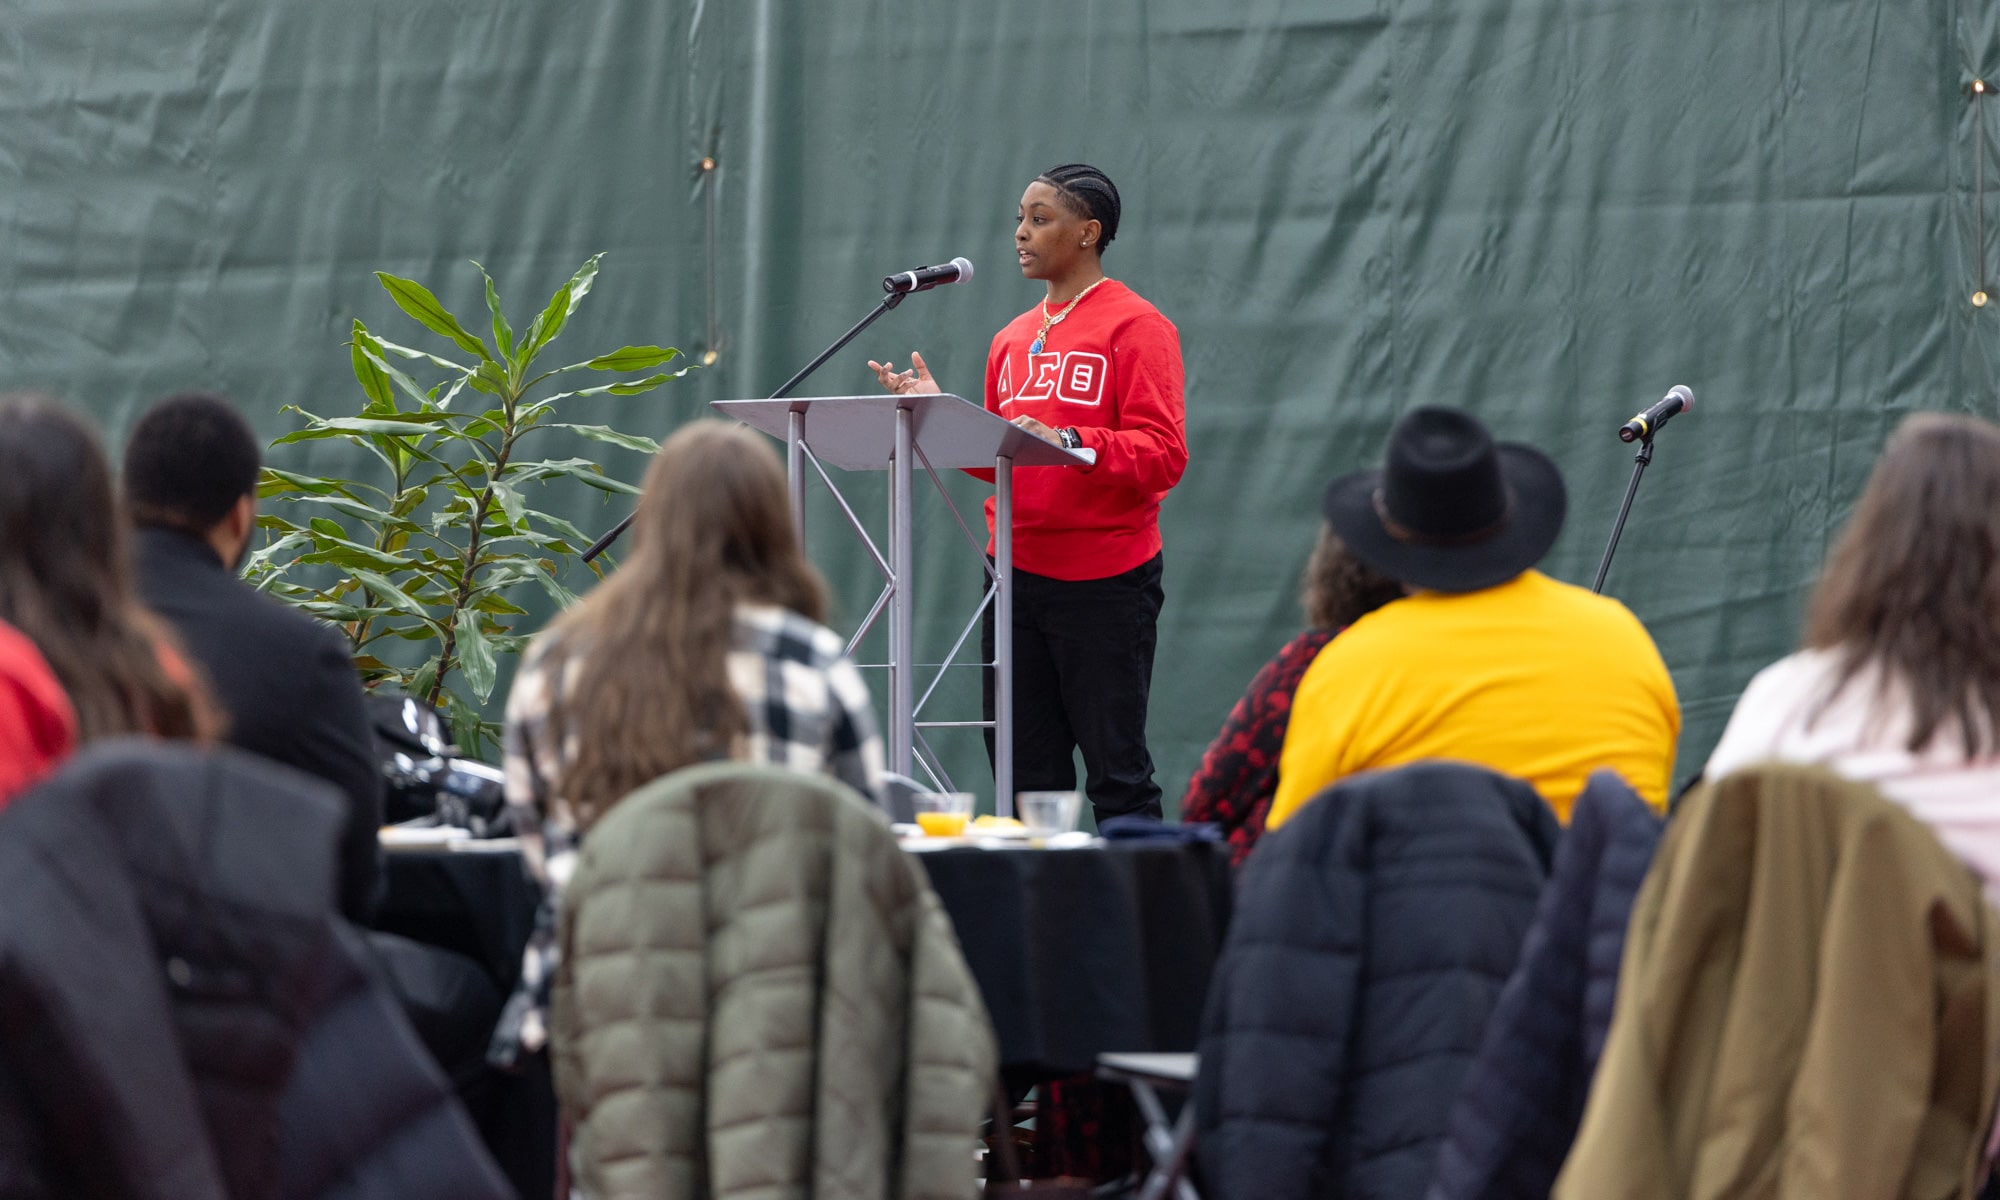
x,y
1083,668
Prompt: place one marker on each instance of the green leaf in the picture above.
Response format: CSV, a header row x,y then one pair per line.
x,y
561,526
556,591
374,350
383,588
426,675
490,379
409,501
580,469
452,394
493,602
273,481
503,334
626,387
421,355
329,610
552,319
633,358
468,732
271,554
326,527
409,424
511,503
351,555
604,433
415,299
374,381
354,508
475,657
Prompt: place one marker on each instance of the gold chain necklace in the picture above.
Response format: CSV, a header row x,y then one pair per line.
x,y
1049,322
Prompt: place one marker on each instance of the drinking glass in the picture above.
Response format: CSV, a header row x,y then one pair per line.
x,y
943,814
1047,814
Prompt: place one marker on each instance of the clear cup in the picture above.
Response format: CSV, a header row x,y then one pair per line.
x,y
943,814
1047,814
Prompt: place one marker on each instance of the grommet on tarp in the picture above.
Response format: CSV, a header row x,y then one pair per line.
x,y
708,164
709,355
1979,87
1979,299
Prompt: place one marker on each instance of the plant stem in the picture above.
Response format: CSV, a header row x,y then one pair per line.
x,y
446,658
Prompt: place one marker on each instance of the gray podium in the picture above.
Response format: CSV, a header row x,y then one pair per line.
x,y
898,434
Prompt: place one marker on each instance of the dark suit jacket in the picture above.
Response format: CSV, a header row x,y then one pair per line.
x,y
287,682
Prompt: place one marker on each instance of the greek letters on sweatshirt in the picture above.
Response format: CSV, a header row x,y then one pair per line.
x,y
1112,371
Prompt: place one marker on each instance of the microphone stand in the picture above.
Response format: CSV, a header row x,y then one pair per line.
x,y
888,302
1639,462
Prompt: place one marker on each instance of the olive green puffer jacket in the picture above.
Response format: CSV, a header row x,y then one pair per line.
x,y
760,999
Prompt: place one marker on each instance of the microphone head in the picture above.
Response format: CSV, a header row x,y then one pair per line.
x,y
964,266
1687,397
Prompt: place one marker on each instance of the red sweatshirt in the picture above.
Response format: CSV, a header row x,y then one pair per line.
x,y
1112,370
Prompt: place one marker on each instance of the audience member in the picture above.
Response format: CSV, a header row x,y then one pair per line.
x,y
1487,661
1898,682
705,644
1239,772
286,680
66,583
37,728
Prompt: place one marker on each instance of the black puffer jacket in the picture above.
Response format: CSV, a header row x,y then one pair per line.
x,y
1372,934
169,947
1523,1096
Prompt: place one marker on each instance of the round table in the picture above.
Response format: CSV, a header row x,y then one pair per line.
x,y
1079,952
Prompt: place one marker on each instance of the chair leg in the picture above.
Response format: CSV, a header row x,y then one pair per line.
x,y
1168,1144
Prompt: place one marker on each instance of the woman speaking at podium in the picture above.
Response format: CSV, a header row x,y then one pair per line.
x,y
1094,367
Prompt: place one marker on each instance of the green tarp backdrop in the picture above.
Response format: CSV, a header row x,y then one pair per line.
x,y
1548,211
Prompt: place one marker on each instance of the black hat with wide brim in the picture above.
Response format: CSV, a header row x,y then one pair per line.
x,y
1451,510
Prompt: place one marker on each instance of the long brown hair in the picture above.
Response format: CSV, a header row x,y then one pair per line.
x,y
636,670
66,582
1339,589
1912,587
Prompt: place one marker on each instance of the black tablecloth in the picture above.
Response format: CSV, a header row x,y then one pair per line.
x,y
1084,951
480,904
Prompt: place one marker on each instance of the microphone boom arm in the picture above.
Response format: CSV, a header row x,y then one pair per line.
x,y
888,302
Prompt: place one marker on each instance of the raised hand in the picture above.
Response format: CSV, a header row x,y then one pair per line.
x,y
916,380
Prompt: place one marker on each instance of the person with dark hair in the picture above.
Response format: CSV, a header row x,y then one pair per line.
x,y
1898,681
1487,660
66,583
1096,368
706,644
286,680
1238,775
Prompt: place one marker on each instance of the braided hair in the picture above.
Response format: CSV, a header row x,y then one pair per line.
x,y
1089,193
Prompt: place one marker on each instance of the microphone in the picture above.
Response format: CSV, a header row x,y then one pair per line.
x,y
923,279
1678,400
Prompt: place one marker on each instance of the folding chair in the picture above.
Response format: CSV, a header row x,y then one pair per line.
x,y
1169,1143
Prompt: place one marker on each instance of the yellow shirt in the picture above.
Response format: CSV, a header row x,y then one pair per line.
x,y
1534,678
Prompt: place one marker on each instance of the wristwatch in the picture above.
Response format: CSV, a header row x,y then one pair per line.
x,y
1070,438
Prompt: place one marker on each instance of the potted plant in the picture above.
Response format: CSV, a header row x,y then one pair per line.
x,y
425,556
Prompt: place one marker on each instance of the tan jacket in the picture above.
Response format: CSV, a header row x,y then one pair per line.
x,y
1807,1007
760,998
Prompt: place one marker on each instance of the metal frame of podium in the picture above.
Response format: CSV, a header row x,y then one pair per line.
x,y
896,433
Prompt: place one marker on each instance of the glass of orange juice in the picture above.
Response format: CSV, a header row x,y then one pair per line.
x,y
943,814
